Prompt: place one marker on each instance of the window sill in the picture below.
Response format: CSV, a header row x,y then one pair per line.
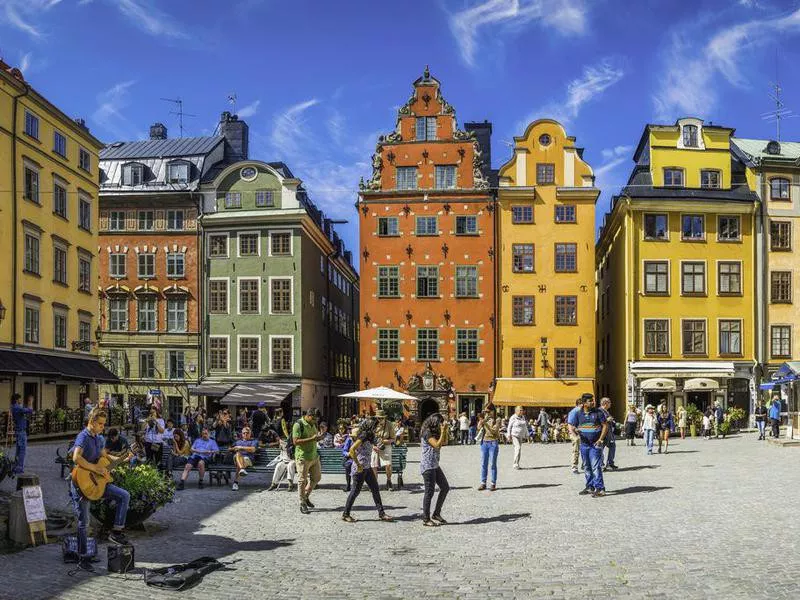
x,y
780,302
388,235
426,234
694,295
32,201
659,354
565,271
429,297
694,240
735,241
467,297
780,249
60,216
565,222
523,324
565,324
524,272
176,277
389,297
83,291
467,234
780,199
215,257
60,283
523,222
738,355
468,360
396,360
657,294
649,239
700,355
781,357
730,294
86,229
32,273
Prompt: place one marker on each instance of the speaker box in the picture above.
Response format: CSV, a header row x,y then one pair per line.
x,y
69,548
120,558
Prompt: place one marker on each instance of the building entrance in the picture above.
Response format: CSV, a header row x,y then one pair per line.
x,y
702,400
427,407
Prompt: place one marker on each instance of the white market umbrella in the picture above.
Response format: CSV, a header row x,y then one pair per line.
x,y
379,393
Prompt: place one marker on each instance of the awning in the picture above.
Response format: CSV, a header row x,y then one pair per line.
x,y
788,369
658,384
773,383
555,393
213,390
250,394
58,367
700,384
683,368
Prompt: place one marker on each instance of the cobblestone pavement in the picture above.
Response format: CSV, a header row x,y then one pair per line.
x,y
712,519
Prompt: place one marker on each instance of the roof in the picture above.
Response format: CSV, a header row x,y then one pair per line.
x,y
757,149
160,148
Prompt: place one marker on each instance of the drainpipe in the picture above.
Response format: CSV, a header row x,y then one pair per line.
x,y
201,288
14,218
495,291
328,324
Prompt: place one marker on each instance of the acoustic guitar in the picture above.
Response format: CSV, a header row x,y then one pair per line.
x,y
92,485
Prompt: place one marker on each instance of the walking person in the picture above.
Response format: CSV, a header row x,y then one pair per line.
x,y
682,422
631,421
591,427
360,454
775,416
473,427
761,417
306,456
20,415
719,417
543,422
649,424
707,425
517,433
489,431
611,436
463,428
433,435
382,449
573,435
666,423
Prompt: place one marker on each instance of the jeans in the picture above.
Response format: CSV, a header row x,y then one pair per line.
x,y
489,451
432,478
612,451
776,428
80,506
358,482
545,437
517,449
649,436
761,427
464,436
473,431
592,457
22,446
153,452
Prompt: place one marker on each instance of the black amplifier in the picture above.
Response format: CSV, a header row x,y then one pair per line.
x,y
120,558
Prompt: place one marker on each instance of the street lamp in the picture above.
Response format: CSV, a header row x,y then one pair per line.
x,y
2,311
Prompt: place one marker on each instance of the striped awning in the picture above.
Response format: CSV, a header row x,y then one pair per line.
x,y
251,394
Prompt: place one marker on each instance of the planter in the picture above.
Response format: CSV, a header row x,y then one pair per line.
x,y
693,430
149,491
104,513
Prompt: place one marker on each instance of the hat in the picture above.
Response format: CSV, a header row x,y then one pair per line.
x,y
261,404
649,406
380,414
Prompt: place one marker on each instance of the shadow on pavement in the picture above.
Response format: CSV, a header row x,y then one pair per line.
x,y
636,468
506,518
547,467
682,451
206,545
636,489
529,486
420,489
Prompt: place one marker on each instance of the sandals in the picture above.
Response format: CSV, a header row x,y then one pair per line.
x,y
387,518
430,523
348,519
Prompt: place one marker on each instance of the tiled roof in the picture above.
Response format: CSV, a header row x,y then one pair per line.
x,y
160,148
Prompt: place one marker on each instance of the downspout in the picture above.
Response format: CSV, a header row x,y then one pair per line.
x,y
495,292
328,312
14,221
200,284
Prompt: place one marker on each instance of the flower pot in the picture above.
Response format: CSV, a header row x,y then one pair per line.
x,y
104,513
693,430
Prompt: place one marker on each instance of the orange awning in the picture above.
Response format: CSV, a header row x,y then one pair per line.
x,y
555,393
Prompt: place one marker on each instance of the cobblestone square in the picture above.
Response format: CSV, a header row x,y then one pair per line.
x,y
711,519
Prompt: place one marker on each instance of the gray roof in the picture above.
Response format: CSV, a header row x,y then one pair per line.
x,y
757,149
160,148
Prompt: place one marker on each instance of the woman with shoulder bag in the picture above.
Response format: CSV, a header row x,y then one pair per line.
x,y
489,429
433,435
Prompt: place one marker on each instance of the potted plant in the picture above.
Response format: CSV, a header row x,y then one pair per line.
x,y
733,417
56,422
6,465
694,417
149,491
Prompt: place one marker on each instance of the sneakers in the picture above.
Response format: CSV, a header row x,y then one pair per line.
x,y
117,537
439,519
385,517
612,466
242,473
292,487
516,467
429,523
481,487
574,470
586,491
304,509
235,487
181,485
273,487
348,519
309,504
598,493
389,487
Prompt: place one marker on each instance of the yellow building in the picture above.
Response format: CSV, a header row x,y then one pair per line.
x,y
48,243
546,304
677,274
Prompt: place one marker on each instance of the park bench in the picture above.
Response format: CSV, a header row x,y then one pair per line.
x,y
64,461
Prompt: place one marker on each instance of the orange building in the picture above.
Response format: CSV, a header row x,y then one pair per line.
x,y
427,226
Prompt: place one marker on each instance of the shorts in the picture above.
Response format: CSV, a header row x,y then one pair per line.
x,y
381,458
195,460
248,462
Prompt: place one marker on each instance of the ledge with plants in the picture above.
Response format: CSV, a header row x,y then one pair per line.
x,y
149,491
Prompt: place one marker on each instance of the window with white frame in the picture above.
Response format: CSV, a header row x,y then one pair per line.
x,y
146,220
426,226
388,344
281,296
175,220
710,179
693,277
730,277
84,160
466,225
176,315
673,177
116,220
690,139
146,317
693,227
656,227
31,181
147,265
176,262
280,243
218,353
218,245
406,178
178,172
31,324
656,277
233,200
466,345
425,128
118,314
729,228
248,244
117,265
133,174
445,177
730,336
281,354
59,329
265,199
466,281
656,336
248,296
218,296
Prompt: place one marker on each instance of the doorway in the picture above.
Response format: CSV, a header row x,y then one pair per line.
x,y
702,400
427,407
656,398
470,404
31,388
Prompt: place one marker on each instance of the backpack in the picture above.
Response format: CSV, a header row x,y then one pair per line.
x,y
178,577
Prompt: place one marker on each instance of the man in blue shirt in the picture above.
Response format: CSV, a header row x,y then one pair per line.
x,y
591,427
20,416
203,449
574,436
245,450
775,416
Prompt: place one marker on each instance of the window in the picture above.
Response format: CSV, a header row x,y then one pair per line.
x,y
264,199
281,355
780,235
728,229
566,258
59,330
59,200
730,278
426,226
147,364
388,226
31,253
466,225
521,214
730,336
146,220
388,344
176,315
566,310
59,144
119,362
116,265
427,282
693,227
281,244
147,314
781,287
31,184
84,215
781,341
31,125
218,296
427,344
85,160
248,353
426,128
233,200
388,282
118,314
175,220
116,220
656,336
690,136
522,362
59,265
522,310
175,264
218,353
694,336
248,244
693,278
466,345
218,246
522,257
248,296
709,179
84,275
545,173
566,362
406,178
133,175
147,266
565,213
175,364
656,277
31,325
179,173
656,227
466,281
281,294
445,177
673,177
779,189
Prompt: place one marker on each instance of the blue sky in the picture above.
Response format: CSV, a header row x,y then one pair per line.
x,y
319,81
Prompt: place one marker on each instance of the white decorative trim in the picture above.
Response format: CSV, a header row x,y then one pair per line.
x,y
291,295
271,337
238,294
239,353
227,339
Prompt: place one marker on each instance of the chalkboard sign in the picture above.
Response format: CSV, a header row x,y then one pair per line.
x,y
34,504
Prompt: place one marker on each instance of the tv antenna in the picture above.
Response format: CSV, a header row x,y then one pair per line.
x,y
232,99
780,112
178,102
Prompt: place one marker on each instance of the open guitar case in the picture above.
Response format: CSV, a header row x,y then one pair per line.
x,y
183,576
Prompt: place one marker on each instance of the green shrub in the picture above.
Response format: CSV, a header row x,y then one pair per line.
x,y
148,488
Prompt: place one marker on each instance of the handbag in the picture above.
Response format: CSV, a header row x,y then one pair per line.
x,y
479,435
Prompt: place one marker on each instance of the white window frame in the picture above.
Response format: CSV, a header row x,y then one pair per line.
x,y
124,273
239,339
111,214
227,281
139,220
36,194
239,234
741,278
139,265
227,245
183,328
738,238
239,295
38,308
183,264
291,242
227,368
705,227
125,323
291,295
290,337
174,212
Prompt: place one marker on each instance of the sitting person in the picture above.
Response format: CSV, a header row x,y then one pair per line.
x,y
245,450
283,463
181,449
326,439
138,451
340,437
269,438
399,433
202,450
115,442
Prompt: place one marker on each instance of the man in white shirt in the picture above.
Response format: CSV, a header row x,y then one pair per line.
x,y
463,428
517,433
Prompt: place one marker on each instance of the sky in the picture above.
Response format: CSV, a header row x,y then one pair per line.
x,y
317,82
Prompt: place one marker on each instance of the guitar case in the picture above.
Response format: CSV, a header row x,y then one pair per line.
x,y
183,576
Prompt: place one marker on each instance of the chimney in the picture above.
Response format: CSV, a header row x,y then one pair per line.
x,y
236,134
158,131
81,123
483,133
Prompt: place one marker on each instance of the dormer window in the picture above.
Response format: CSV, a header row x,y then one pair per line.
x,y
426,128
133,174
690,139
178,172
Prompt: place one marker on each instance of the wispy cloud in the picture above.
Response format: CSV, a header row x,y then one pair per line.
x,y
612,157
149,18
108,114
24,14
289,129
691,83
250,110
25,63
566,16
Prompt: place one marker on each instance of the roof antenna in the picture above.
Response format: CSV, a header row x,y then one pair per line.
x,y
780,112
179,104
232,99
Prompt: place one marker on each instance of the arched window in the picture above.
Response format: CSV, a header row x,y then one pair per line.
x,y
690,136
779,189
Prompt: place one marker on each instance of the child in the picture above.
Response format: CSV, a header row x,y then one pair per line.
x,y
706,426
